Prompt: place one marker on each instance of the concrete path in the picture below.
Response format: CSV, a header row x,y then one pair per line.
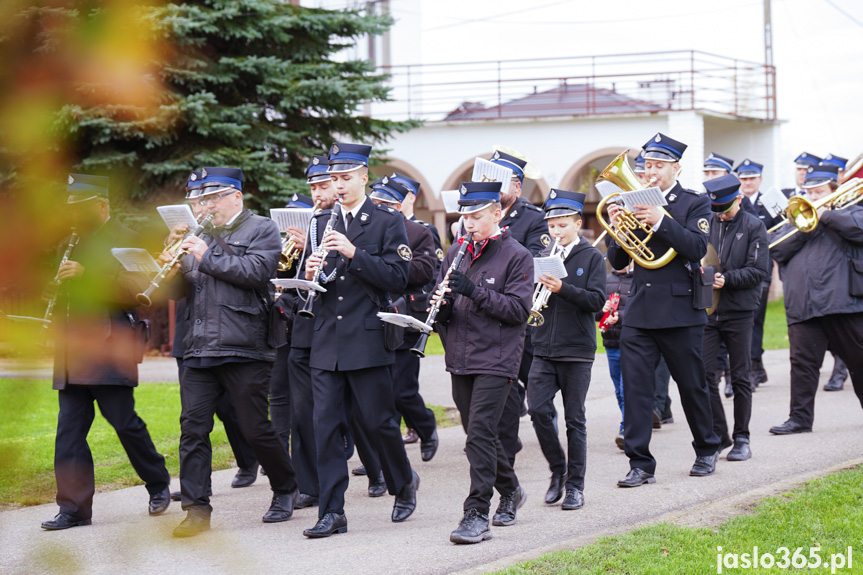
x,y
123,539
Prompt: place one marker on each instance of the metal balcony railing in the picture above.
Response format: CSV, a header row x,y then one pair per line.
x,y
581,86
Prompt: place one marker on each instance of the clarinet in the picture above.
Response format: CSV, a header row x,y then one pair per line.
x,y
310,300
49,313
144,298
419,349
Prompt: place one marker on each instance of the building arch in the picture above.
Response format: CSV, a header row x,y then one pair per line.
x,y
428,207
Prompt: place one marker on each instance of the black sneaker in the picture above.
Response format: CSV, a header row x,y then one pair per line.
x,y
473,528
508,507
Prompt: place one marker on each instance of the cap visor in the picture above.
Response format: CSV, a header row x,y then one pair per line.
x,y
343,168
469,209
560,212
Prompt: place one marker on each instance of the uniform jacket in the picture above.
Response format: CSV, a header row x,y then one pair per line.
x,y
422,272
97,343
757,208
435,237
662,298
228,297
620,284
815,267
741,244
484,334
348,335
569,330
527,225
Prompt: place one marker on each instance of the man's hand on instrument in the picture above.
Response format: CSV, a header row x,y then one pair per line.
x,y
607,306
440,293
69,269
460,283
820,211
298,235
176,233
613,319
313,262
613,214
718,281
164,257
337,241
552,283
195,246
648,215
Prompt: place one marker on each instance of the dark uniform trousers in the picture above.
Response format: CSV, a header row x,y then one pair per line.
x,y
681,347
303,451
736,332
243,453
572,378
280,396
840,333
371,400
73,462
480,400
757,349
409,402
247,383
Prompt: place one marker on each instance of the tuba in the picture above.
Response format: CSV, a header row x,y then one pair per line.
x,y
626,235
803,213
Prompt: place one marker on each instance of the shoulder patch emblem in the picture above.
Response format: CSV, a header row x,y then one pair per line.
x,y
704,226
439,253
405,252
545,240
672,197
513,214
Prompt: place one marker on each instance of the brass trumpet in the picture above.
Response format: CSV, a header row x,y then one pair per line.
x,y
291,252
619,173
803,213
541,294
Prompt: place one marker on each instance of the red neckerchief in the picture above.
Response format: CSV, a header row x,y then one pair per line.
x,y
482,245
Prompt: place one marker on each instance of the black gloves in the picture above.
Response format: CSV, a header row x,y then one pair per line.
x,y
460,283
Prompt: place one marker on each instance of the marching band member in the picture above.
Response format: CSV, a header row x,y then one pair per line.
x,y
367,256
716,166
740,240
482,323
564,347
821,273
227,347
802,163
96,353
661,319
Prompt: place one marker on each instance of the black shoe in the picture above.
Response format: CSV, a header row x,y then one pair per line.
x,y
635,478
176,496
835,384
64,521
704,465
667,420
729,391
725,444
508,507
378,486
192,525
574,500
410,436
657,419
555,488
740,451
327,525
361,470
159,502
281,508
429,448
302,500
406,500
245,477
473,528
789,427
618,441
759,374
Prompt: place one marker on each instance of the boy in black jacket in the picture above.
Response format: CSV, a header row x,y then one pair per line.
x,y
564,346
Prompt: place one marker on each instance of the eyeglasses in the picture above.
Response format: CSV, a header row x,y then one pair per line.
x,y
204,202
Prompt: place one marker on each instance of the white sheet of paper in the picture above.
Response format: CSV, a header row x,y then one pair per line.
x,y
180,214
136,260
485,171
450,201
304,285
646,197
775,201
404,321
606,188
292,218
550,266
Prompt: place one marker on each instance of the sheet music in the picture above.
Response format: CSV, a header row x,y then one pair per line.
x,y
304,285
136,260
404,321
647,197
774,201
292,218
606,188
550,266
485,171
450,201
179,214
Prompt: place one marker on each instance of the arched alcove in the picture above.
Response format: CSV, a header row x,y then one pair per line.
x,y
428,207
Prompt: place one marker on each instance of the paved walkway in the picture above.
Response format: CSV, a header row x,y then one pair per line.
x,y
123,539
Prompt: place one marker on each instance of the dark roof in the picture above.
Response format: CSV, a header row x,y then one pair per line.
x,y
565,100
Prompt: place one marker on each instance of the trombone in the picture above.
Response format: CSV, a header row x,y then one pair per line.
x,y
803,213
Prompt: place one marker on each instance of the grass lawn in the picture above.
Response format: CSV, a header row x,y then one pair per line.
x,y
826,513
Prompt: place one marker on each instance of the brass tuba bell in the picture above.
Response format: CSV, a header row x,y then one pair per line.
x,y
619,173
